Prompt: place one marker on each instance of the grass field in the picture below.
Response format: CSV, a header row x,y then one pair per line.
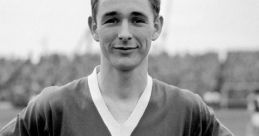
x,y
235,120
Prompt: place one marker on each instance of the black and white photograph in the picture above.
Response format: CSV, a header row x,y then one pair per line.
x,y
129,68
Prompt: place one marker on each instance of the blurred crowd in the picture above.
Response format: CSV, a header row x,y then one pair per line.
x,y
234,78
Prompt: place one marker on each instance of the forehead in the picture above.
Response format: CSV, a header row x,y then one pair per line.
x,y
124,7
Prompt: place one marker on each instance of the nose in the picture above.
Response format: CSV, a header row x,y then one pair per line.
x,y
124,33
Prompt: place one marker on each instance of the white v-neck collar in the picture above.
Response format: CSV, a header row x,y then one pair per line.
x,y
116,128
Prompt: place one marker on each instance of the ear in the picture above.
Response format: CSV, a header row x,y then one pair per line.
x,y
93,27
158,24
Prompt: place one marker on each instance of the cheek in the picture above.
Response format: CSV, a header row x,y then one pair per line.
x,y
145,36
106,36
145,33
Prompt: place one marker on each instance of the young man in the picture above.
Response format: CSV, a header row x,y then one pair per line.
x,y
119,98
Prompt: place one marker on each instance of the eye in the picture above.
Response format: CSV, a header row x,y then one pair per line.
x,y
137,20
111,21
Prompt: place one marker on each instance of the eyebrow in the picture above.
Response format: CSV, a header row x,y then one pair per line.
x,y
138,14
112,13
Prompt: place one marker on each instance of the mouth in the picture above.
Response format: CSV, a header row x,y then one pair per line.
x,y
125,48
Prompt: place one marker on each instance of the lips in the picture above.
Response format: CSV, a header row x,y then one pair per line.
x,y
125,48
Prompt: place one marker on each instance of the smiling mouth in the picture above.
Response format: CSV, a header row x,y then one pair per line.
x,y
125,48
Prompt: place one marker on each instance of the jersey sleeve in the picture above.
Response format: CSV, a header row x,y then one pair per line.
x,y
34,120
209,123
28,122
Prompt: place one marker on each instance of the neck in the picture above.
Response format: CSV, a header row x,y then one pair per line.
x,y
123,85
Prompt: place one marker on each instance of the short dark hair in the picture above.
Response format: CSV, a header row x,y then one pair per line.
x,y
155,4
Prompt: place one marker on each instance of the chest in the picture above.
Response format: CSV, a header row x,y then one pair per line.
x,y
120,111
153,123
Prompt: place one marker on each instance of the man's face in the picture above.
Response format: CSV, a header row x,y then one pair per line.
x,y
125,29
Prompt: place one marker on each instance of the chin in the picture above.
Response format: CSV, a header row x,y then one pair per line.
x,y
124,65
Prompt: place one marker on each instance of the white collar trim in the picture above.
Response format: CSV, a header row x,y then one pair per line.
x,y
116,128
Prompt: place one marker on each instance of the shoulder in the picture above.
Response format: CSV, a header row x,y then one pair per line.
x,y
59,96
175,95
47,110
188,107
58,92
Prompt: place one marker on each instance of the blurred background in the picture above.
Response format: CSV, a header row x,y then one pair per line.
x,y
209,47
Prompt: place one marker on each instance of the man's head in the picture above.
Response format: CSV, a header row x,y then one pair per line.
x,y
125,30
155,4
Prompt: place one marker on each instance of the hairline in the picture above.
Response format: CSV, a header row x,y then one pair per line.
x,y
155,9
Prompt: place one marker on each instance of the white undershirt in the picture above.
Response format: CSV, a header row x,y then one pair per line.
x,y
116,128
